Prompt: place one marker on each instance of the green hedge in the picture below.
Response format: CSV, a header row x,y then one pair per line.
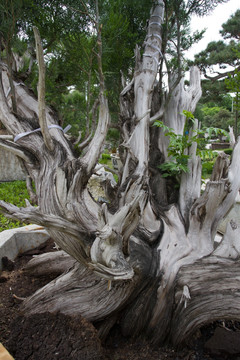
x,y
228,151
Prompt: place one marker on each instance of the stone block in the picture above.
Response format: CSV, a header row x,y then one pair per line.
x,y
16,241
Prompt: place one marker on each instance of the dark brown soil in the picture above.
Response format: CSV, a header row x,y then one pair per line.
x,y
56,336
3,131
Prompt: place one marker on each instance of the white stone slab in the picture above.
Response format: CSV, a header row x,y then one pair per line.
x,y
16,241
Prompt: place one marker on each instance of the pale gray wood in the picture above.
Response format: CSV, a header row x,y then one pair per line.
x,y
41,91
53,263
147,260
190,186
214,295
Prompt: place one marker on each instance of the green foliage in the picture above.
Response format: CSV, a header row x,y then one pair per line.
x,y
106,156
216,132
215,116
14,193
207,154
210,111
178,144
217,57
73,111
69,41
214,62
214,94
230,29
68,48
207,167
177,29
188,115
228,151
106,160
113,136
217,53
124,26
175,167
233,84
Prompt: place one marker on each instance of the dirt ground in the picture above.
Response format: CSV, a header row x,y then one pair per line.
x,y
57,336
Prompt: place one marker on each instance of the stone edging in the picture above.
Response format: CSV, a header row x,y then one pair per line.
x,y
16,241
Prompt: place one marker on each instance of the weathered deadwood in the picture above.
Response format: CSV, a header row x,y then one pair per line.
x,y
91,157
94,148
217,199
213,286
26,120
112,241
30,188
143,243
81,291
144,78
79,241
41,91
17,150
86,141
190,186
181,99
6,116
230,244
54,263
232,136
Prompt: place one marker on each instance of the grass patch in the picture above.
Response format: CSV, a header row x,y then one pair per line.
x,y
15,193
107,160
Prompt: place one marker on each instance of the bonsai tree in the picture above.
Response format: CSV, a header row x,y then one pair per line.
x,y
147,259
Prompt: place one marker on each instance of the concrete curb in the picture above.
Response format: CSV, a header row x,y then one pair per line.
x,y
16,241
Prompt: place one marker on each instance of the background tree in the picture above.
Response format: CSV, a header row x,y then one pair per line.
x,y
233,85
145,260
219,61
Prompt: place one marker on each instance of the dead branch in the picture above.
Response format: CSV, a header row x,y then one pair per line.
x,y
41,92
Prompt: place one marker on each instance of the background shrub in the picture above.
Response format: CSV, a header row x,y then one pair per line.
x,y
12,192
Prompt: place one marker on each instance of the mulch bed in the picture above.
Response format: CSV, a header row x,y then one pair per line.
x,y
58,336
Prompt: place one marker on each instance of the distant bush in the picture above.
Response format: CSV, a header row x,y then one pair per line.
x,y
207,167
106,156
228,151
14,192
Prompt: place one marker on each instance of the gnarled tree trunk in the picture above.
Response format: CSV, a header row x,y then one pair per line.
x,y
147,260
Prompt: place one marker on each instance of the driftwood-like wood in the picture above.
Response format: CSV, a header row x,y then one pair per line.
x,y
41,91
218,295
54,263
147,261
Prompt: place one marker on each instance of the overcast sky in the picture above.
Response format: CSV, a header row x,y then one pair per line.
x,y
213,23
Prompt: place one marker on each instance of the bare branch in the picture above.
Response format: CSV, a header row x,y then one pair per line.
x,y
31,214
6,116
138,150
16,150
191,181
232,136
85,142
41,92
31,192
220,75
95,146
